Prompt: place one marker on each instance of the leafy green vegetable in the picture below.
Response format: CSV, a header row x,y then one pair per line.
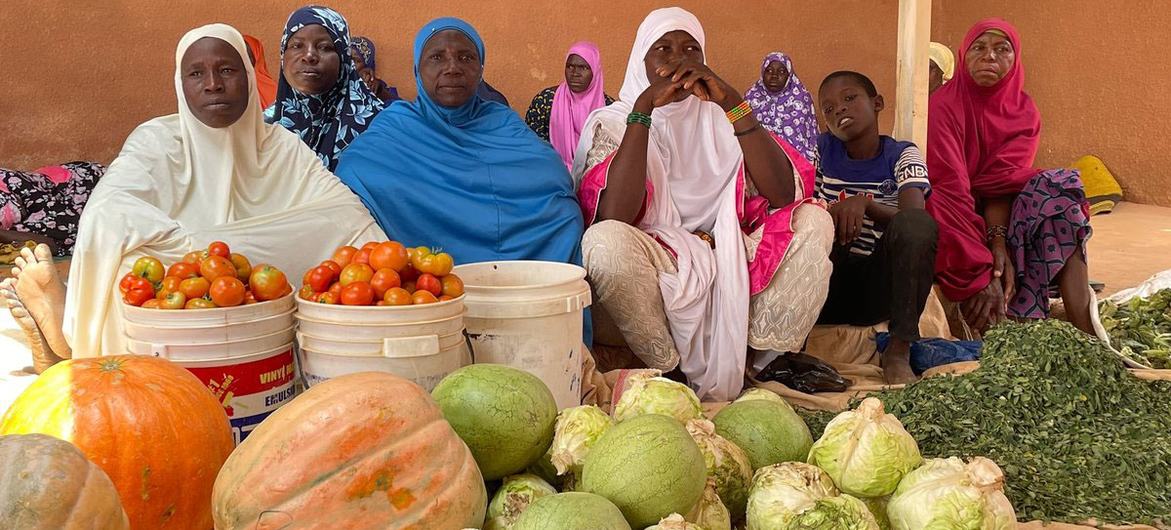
x,y
1140,328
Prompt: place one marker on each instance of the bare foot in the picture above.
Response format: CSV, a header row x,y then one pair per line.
x,y
896,363
43,356
42,293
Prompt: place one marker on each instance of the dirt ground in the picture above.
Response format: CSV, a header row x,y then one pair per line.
x,y
1129,245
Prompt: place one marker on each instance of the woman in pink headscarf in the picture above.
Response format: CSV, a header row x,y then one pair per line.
x,y
558,113
1007,231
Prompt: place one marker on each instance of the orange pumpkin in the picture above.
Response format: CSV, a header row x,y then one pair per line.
x,y
47,484
156,431
363,451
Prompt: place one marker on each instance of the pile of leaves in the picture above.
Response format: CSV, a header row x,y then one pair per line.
x,y
1140,328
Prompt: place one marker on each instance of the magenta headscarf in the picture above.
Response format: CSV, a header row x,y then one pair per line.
x,y
570,110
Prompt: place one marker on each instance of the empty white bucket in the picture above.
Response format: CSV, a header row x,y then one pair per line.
x,y
243,354
528,315
422,343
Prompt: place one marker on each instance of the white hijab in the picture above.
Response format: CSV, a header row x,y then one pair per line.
x,y
178,185
693,160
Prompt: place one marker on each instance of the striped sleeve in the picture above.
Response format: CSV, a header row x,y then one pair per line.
x,y
911,171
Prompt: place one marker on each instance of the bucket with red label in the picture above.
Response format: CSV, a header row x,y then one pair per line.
x,y
244,355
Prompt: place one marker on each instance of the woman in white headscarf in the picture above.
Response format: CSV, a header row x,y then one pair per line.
x,y
213,171
703,241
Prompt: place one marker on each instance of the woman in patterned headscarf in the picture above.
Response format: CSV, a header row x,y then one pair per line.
x,y
320,95
783,104
365,59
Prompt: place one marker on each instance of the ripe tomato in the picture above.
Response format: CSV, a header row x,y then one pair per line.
x,y
436,264
429,283
183,270
333,266
243,267
268,283
408,274
409,286
149,268
380,303
227,291
369,245
125,283
173,300
307,293
355,272
199,303
319,278
423,297
213,267
153,303
195,287
336,289
194,257
416,254
137,283
170,285
389,255
452,286
397,296
137,297
250,298
445,298
363,256
219,248
327,298
383,280
357,293
343,255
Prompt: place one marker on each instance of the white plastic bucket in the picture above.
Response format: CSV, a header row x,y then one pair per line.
x,y
528,315
422,343
243,354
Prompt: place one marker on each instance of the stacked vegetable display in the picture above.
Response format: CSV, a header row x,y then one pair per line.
x,y
203,279
382,273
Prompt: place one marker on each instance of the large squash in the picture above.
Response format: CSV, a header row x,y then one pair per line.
x,y
149,424
363,451
47,484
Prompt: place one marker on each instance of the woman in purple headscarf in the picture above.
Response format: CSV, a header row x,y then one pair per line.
x,y
558,113
365,61
783,105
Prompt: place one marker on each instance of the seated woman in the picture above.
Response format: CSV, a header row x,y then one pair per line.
x,y
1007,231
214,171
942,64
558,113
884,259
702,243
454,170
783,105
45,205
265,84
320,95
365,61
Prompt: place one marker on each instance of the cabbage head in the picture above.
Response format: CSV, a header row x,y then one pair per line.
x,y
675,522
658,395
514,496
727,463
866,451
780,493
759,393
576,431
710,512
946,493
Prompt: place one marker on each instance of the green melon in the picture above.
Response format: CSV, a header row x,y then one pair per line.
x,y
648,466
571,511
769,432
503,414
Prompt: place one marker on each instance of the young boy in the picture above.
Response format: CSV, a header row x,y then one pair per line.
x,y
884,251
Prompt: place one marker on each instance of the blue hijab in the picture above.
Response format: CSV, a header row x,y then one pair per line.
x,y
327,122
473,179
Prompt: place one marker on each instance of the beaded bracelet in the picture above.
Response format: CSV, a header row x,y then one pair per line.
x,y
739,111
640,118
996,231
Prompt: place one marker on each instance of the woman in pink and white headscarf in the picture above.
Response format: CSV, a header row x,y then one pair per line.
x,y
558,113
783,104
702,241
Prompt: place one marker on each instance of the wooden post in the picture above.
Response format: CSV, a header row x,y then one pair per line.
x,y
911,87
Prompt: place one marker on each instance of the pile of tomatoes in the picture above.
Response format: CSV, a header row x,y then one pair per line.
x,y
203,279
382,273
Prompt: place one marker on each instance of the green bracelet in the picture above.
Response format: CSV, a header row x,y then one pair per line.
x,y
640,118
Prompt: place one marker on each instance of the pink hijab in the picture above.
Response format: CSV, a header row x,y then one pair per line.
x,y
982,141
570,110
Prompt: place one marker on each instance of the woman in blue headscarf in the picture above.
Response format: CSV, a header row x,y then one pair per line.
x,y
320,95
454,170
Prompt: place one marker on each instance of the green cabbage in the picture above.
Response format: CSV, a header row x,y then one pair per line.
x,y
866,451
513,497
710,512
877,507
726,462
657,395
576,431
675,522
796,496
946,493
759,393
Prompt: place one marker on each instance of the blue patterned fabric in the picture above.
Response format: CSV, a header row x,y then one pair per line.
x,y
327,122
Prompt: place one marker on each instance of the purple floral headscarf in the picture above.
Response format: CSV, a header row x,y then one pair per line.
x,y
788,113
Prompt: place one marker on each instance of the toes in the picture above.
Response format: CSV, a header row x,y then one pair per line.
x,y
19,264
18,311
43,253
27,254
